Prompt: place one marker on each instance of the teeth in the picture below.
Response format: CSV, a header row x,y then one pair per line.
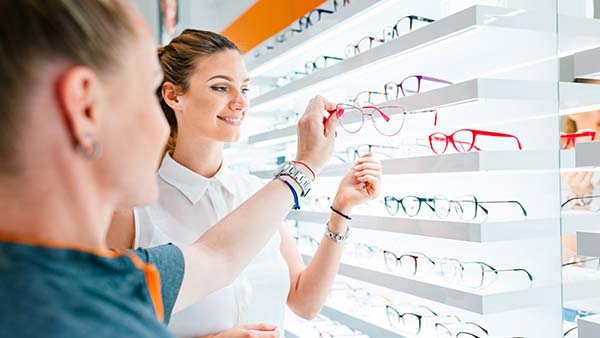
x,y
231,119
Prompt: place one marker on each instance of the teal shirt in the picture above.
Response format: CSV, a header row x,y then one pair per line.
x,y
50,292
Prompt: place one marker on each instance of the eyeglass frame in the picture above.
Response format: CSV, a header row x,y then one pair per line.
x,y
356,50
314,67
340,112
571,137
483,271
579,198
412,18
427,201
400,88
484,330
450,139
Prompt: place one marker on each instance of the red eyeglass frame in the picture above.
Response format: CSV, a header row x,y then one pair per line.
x,y
570,138
475,132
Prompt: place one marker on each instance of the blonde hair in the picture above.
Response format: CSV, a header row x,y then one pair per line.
x,y
178,60
86,33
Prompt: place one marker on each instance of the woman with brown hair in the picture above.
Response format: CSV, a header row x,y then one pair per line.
x,y
81,134
204,99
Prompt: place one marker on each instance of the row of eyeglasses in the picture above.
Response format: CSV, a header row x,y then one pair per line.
x,y
466,207
404,25
472,274
323,327
403,317
303,24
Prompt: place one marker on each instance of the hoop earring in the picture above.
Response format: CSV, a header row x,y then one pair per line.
x,y
92,154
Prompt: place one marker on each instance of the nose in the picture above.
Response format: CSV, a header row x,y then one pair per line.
x,y
239,102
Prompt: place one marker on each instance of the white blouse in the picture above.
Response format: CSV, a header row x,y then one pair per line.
x,y
188,206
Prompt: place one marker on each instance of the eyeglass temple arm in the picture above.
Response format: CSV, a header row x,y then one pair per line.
x,y
578,198
515,270
495,134
513,202
434,79
582,261
435,118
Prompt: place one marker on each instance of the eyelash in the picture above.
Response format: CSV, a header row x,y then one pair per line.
x,y
221,89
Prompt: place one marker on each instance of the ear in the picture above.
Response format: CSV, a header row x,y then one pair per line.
x,y
171,95
77,92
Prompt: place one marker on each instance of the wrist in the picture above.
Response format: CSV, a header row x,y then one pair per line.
x,y
309,172
342,205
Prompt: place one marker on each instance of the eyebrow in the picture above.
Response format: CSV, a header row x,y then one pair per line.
x,y
225,78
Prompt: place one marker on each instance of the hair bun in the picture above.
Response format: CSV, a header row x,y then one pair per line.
x,y
160,50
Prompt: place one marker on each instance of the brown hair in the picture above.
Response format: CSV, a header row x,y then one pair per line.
x,y
178,61
35,32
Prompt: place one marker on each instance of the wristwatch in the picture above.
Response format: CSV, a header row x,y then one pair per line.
x,y
290,170
337,237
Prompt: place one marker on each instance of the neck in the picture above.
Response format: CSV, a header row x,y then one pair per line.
x,y
55,205
202,156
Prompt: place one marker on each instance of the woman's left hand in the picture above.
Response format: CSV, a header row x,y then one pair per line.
x,y
361,183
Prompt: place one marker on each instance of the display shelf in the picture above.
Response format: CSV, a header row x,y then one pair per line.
x,y
322,31
578,97
457,230
482,26
359,324
484,91
588,327
585,64
579,284
469,300
588,243
587,154
452,163
579,220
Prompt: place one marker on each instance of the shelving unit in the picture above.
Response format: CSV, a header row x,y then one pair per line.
x,y
468,300
484,93
588,327
326,29
456,230
470,27
588,243
362,325
289,334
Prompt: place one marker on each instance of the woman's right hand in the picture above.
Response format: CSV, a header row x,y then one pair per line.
x,y
248,331
580,182
316,134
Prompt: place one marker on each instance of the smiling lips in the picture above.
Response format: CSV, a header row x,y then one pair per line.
x,y
234,121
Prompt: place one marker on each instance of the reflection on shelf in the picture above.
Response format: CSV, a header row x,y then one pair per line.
x,y
469,300
580,284
457,230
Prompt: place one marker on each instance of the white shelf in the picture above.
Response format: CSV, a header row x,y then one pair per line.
x,y
466,300
359,324
482,26
483,91
586,64
578,97
579,284
587,154
588,327
463,231
452,163
579,220
588,243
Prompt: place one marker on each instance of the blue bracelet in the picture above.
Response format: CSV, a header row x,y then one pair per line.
x,y
296,203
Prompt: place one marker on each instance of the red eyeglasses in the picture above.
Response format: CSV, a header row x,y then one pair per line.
x,y
462,140
582,135
387,120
